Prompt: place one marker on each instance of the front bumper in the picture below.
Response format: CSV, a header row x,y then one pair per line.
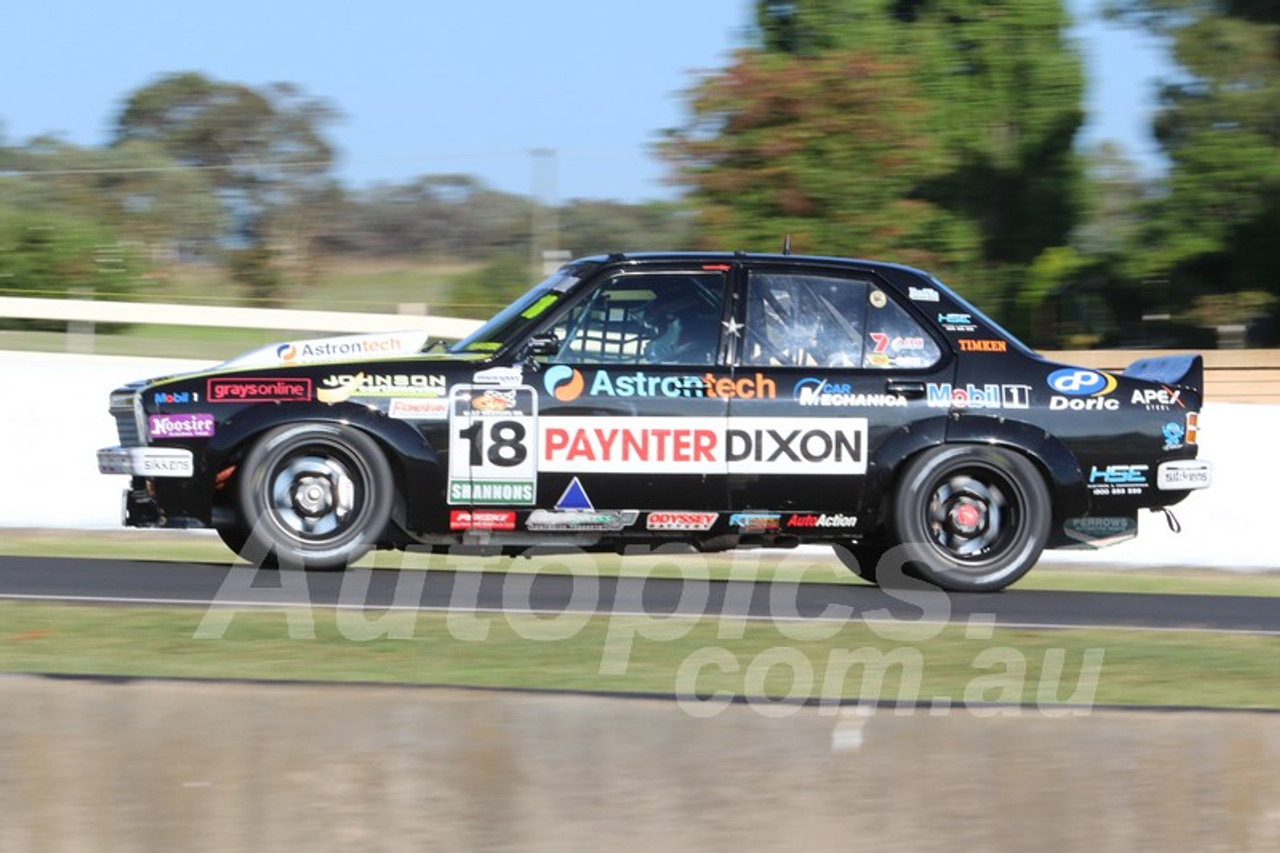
x,y
146,461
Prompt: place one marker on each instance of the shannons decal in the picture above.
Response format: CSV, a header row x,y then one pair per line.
x,y
703,445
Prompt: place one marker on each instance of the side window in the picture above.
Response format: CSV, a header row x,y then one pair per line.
x,y
893,337
798,320
646,318
805,320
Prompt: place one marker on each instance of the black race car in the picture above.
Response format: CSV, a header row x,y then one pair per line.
x,y
717,400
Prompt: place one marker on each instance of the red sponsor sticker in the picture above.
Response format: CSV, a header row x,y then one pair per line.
x,y
482,519
681,520
258,390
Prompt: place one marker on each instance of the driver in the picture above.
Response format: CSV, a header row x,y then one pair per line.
x,y
685,329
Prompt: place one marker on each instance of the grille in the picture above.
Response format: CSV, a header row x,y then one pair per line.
x,y
124,408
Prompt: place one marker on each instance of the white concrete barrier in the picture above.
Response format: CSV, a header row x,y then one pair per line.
x,y
55,419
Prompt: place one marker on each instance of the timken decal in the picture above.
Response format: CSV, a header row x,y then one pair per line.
x,y
258,390
704,445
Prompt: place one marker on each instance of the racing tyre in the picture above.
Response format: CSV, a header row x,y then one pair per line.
x,y
315,496
970,519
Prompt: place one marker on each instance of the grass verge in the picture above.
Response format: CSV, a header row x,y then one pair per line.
x,y
937,666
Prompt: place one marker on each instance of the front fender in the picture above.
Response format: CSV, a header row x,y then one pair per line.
x,y
412,459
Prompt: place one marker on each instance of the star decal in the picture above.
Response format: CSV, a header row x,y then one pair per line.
x,y
733,327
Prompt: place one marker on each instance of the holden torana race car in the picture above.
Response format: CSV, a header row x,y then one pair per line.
x,y
714,400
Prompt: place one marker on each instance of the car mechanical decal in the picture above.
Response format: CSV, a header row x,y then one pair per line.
x,y
703,445
493,447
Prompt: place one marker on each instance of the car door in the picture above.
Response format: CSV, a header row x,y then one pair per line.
x,y
628,418
839,364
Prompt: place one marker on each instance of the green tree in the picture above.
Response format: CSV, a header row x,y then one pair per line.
x,y
1213,231
826,149
56,255
264,153
945,129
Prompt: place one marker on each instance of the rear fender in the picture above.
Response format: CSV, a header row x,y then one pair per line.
x,y
1062,471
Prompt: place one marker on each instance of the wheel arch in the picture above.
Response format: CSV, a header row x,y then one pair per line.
x,y
414,463
1055,461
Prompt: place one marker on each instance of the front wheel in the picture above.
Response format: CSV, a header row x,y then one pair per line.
x,y
971,519
317,496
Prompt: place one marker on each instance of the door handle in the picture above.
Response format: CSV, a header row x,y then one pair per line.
x,y
906,389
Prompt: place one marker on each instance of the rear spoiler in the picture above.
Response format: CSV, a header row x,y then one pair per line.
x,y
1186,371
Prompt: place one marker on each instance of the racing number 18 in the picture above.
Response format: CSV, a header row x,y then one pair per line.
x,y
506,442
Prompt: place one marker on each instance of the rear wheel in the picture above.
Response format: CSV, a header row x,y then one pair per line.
x,y
971,519
317,496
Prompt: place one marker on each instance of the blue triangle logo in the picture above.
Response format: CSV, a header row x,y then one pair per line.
x,y
574,497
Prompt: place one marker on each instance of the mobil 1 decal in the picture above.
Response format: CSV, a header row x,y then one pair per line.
x,y
702,445
493,444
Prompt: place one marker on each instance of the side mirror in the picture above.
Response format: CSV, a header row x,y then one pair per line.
x,y
545,344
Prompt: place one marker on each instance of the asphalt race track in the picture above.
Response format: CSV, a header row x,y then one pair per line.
x,y
241,585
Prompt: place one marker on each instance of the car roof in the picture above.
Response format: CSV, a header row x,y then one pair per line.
x,y
767,257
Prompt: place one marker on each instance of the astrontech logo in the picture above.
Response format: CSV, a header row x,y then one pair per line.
x,y
567,384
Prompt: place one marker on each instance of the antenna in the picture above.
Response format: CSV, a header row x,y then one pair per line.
x,y
786,245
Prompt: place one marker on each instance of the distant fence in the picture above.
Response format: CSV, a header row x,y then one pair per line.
x,y
1231,376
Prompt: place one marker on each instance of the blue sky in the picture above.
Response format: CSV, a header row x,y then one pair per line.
x,y
428,87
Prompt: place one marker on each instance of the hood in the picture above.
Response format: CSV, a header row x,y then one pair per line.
x,y
387,345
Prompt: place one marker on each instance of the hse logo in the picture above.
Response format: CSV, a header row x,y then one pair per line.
x,y
567,384
1119,475
1075,382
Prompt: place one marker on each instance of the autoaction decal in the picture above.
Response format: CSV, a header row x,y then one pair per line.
x,y
703,445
